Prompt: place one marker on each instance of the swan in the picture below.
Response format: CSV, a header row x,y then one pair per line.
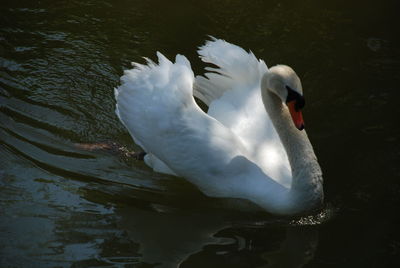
x,y
249,145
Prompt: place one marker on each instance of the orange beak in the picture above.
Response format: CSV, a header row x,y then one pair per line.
x,y
297,117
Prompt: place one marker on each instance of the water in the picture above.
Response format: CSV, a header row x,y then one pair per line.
x,y
62,206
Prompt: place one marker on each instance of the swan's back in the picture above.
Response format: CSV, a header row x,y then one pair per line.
x,y
142,96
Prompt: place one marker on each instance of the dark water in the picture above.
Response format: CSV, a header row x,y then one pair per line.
x,y
65,207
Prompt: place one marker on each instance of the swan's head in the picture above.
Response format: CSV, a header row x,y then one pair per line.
x,y
284,82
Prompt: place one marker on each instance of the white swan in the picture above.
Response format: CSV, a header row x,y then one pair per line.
x,y
248,145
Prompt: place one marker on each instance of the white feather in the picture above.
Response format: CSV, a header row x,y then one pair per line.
x,y
234,150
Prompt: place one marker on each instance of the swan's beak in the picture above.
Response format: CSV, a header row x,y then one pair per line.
x,y
297,117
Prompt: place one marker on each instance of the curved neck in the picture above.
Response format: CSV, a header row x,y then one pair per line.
x,y
306,190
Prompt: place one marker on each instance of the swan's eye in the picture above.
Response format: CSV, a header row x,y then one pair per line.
x,y
295,96
300,102
292,94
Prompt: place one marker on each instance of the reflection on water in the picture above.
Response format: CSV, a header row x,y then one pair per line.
x,y
71,222
61,206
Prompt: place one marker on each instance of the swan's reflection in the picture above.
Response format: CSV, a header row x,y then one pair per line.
x,y
175,238
170,237
296,250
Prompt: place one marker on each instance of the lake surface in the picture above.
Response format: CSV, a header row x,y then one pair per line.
x,y
61,206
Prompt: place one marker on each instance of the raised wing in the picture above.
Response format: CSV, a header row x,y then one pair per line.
x,y
156,105
234,68
232,91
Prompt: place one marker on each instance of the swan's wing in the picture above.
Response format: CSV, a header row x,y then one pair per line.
x,y
233,94
156,105
236,68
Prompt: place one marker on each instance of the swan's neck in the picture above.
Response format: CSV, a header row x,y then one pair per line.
x,y
306,189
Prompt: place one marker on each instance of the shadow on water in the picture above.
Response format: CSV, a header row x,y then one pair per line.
x,y
75,218
61,206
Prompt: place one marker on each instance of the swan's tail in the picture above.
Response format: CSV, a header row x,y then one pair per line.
x,y
234,68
